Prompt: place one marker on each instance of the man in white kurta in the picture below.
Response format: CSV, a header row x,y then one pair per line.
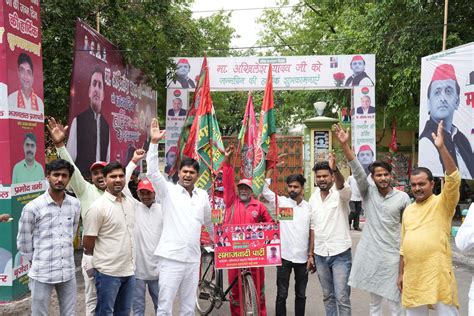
x,y
185,209
376,261
465,243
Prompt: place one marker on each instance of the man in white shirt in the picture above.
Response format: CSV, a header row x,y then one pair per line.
x,y
330,238
465,242
355,204
294,242
147,233
25,98
185,209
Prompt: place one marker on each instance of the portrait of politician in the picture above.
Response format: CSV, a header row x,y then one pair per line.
x,y
365,157
359,77
182,71
89,136
177,109
443,100
365,107
28,169
25,98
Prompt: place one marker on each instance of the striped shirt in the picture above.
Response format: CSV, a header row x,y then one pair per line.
x,y
45,236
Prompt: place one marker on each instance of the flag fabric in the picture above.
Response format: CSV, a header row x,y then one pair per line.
x,y
204,141
190,116
248,141
266,150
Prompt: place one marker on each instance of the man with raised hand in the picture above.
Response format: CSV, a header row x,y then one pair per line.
x,y
375,264
294,241
426,276
185,209
330,241
87,193
147,233
45,237
242,208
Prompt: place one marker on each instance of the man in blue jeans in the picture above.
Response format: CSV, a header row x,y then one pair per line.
x,y
108,237
329,237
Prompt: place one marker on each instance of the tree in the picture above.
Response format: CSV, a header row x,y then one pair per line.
x,y
148,33
399,33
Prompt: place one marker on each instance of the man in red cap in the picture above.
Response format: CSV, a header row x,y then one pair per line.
x,y
365,157
359,76
182,71
147,233
443,100
242,208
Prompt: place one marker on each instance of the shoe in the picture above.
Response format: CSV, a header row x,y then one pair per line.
x,y
358,229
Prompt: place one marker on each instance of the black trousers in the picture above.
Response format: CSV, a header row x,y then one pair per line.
x,y
283,282
355,213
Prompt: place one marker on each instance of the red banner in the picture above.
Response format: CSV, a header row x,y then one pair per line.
x,y
111,107
247,245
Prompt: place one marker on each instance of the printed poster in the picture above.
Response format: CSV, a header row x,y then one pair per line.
x,y
247,245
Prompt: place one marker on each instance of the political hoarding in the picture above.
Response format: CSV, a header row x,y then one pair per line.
x,y
247,245
111,106
22,137
289,72
447,94
363,125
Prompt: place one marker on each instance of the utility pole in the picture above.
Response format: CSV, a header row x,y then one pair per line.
x,y
445,24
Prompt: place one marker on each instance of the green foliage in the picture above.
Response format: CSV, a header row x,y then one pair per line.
x,y
147,32
398,32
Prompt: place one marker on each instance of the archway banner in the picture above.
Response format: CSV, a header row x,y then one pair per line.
x,y
447,94
290,72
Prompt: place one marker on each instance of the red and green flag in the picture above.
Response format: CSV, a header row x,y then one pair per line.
x,y
190,116
248,141
204,141
266,137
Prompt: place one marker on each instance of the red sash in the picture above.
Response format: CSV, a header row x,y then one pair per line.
x,y
21,102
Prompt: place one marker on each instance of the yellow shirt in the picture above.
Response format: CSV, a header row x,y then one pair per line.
x,y
426,228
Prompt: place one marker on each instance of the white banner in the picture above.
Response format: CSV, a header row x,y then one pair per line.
x,y
447,93
363,125
294,72
176,110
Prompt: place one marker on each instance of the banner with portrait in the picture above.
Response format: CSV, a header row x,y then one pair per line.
x,y
111,106
447,94
289,72
363,125
247,245
22,130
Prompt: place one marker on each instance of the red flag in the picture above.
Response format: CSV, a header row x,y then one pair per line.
x,y
247,141
393,144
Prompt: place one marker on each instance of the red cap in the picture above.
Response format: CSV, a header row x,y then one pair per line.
x,y
444,72
364,148
357,57
145,184
246,182
183,61
173,149
98,164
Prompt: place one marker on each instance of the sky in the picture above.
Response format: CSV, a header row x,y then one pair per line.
x,y
243,21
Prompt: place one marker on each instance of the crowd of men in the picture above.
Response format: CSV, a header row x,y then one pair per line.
x,y
130,245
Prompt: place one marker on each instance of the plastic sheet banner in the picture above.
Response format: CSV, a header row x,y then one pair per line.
x,y
22,132
111,107
247,245
447,94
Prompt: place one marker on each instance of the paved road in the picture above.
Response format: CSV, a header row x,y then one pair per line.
x,y
314,305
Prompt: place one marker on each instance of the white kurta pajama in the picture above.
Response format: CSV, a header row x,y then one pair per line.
x,y
376,261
